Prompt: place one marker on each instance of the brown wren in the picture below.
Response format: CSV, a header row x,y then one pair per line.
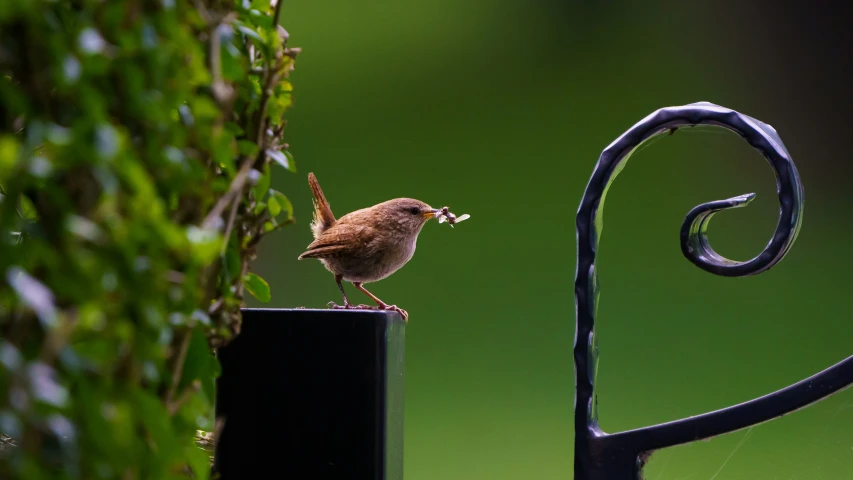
x,y
366,245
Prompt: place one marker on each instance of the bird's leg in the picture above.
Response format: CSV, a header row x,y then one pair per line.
x,y
382,305
338,279
346,305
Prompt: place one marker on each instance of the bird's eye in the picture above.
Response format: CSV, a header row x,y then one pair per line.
x,y
414,210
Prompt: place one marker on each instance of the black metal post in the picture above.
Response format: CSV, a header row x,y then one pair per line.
x,y
621,456
312,394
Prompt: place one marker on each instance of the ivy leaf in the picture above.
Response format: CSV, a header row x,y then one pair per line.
x,y
200,365
260,188
250,33
259,14
206,243
283,202
274,207
28,210
259,40
153,417
232,259
198,460
262,5
258,287
247,148
236,130
283,158
224,149
8,153
290,161
204,108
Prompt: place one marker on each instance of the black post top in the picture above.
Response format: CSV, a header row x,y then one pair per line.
x,y
314,394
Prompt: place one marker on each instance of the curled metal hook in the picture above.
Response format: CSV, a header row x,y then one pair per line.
x,y
694,238
603,456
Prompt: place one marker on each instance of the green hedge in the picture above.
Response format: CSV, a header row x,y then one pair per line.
x,y
137,144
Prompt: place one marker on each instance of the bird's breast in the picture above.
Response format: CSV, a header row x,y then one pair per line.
x,y
384,261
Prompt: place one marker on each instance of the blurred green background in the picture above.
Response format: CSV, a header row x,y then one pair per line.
x,y
499,109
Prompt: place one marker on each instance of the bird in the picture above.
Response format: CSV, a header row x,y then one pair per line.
x,y
366,245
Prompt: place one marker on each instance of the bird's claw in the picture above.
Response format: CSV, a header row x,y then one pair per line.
x,y
335,306
395,308
349,306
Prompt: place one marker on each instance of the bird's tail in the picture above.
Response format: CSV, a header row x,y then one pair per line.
x,y
323,216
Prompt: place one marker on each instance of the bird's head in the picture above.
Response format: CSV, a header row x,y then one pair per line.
x,y
406,215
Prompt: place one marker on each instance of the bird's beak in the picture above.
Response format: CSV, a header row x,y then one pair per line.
x,y
431,213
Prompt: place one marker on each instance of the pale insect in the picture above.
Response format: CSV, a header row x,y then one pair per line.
x,y
446,216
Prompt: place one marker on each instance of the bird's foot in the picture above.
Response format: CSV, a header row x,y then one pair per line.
x,y
349,306
395,308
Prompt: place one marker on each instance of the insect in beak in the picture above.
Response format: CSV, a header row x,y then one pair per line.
x,y
444,215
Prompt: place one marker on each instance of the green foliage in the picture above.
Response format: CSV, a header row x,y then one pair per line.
x,y
258,287
137,145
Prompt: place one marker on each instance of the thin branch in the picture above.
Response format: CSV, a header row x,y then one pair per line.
x,y
258,238
277,14
235,189
227,236
271,80
179,364
203,12
272,72
282,224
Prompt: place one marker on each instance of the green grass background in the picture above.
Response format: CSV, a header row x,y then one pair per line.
x,y
500,109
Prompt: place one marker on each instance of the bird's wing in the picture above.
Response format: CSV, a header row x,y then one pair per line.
x,y
343,238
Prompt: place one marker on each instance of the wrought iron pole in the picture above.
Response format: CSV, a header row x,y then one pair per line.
x,y
621,456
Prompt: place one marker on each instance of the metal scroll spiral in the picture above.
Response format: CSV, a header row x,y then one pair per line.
x,y
599,455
